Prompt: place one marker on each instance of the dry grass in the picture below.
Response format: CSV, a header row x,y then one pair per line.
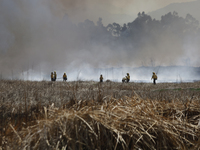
x,y
89,115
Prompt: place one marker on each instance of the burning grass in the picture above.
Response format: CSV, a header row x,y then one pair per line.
x,y
89,115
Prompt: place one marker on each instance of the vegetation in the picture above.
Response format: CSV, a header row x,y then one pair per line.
x,y
170,33
90,115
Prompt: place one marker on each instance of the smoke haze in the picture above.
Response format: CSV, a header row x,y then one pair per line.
x,y
40,36
79,10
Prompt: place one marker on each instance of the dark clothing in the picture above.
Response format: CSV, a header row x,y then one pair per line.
x,y
52,77
127,78
101,78
124,79
154,77
55,76
65,78
154,81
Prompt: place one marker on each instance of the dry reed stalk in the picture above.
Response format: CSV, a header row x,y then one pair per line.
x,y
110,116
118,117
20,140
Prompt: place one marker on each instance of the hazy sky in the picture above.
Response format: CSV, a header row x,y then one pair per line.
x,y
92,9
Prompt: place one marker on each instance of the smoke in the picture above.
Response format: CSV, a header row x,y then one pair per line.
x,y
32,35
111,10
37,37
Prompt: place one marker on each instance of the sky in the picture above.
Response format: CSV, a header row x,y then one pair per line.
x,y
114,10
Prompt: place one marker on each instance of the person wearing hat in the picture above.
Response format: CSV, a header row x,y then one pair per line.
x,y
55,76
64,77
101,78
127,78
52,78
154,77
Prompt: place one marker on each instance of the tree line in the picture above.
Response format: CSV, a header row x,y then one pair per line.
x,y
142,32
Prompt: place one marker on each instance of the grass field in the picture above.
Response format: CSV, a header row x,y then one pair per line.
x,y
87,115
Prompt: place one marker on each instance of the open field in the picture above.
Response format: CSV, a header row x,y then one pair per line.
x,y
89,115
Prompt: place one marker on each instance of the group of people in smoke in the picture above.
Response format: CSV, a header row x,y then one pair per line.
x,y
127,78
54,76
124,79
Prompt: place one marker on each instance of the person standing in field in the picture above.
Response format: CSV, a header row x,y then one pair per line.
x,y
64,77
101,78
154,77
55,76
52,77
127,78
